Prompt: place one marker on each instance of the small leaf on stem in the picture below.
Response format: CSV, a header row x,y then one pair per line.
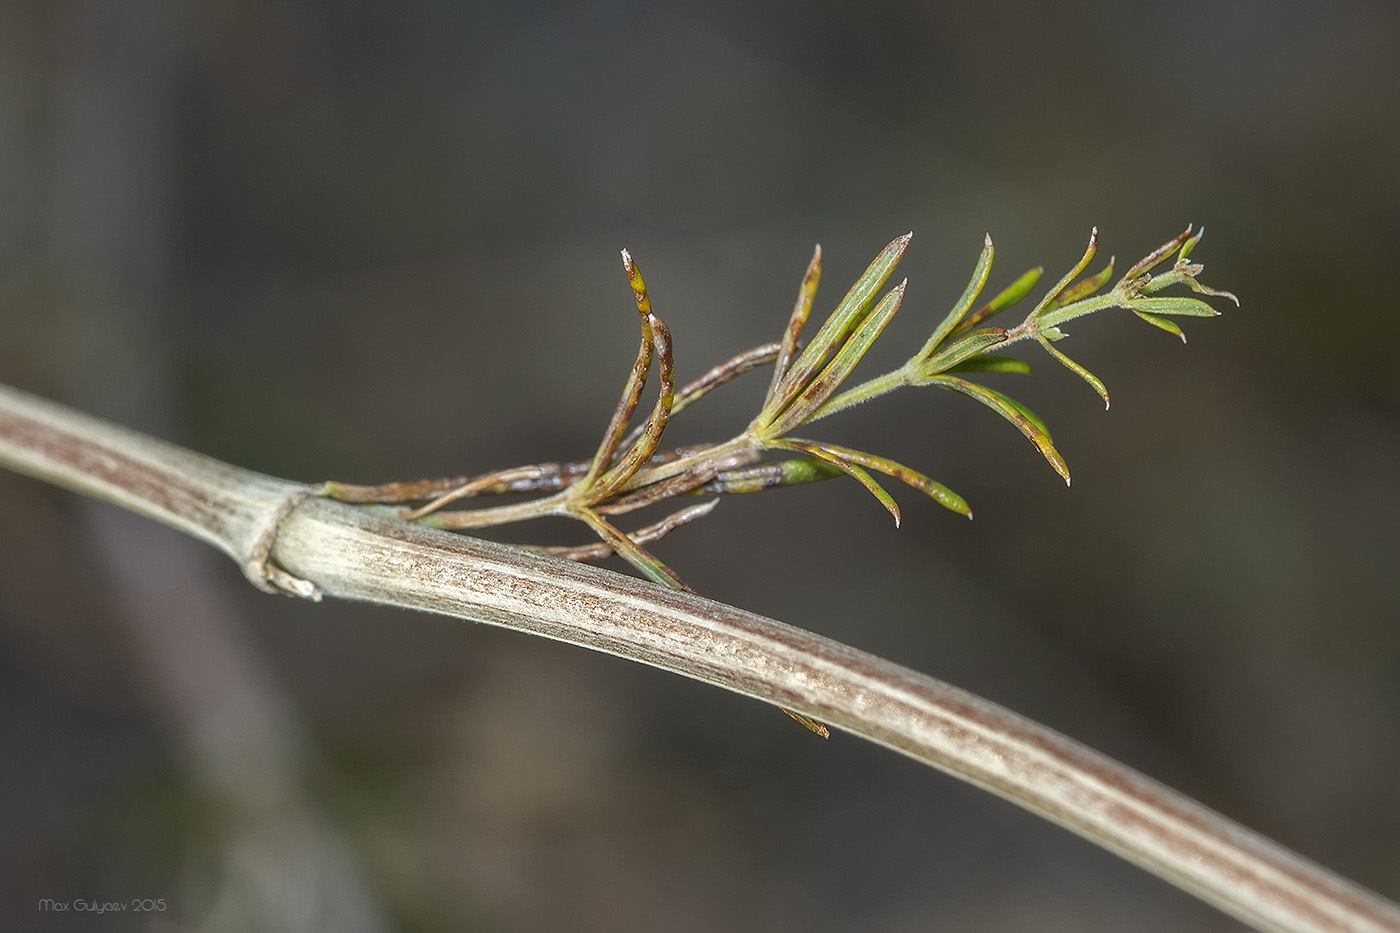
x,y
1153,259
969,295
1094,381
845,360
1028,424
1073,274
1165,324
845,466
991,363
847,316
1005,298
803,307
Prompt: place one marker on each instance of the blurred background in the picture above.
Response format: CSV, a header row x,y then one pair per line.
x,y
373,241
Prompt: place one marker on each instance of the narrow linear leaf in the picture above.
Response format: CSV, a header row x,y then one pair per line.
x,y
1094,381
1196,286
929,487
1154,258
818,727
1025,421
1165,324
806,292
770,476
835,329
1073,274
652,532
845,466
649,566
1188,307
991,363
1005,298
1189,245
636,380
1084,287
650,438
966,348
969,295
824,385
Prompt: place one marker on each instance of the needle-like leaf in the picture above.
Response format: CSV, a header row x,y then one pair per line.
x,y
964,349
845,360
645,445
969,295
800,310
1028,424
1153,259
636,380
845,466
911,477
1072,274
1084,287
1005,298
991,363
632,552
1094,381
1165,324
833,332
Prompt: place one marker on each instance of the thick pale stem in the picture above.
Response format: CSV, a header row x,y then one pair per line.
x,y
359,554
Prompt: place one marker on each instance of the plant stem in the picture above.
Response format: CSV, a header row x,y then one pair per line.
x,y
362,554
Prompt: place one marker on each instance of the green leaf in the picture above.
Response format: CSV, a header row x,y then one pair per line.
x,y
1189,307
845,360
991,363
1072,274
1084,287
931,488
969,295
1165,324
1010,409
845,466
1004,299
842,321
969,346
1094,381
1190,244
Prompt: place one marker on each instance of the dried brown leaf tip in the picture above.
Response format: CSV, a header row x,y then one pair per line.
x,y
631,470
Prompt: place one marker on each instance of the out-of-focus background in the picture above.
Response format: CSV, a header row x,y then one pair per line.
x,y
375,241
